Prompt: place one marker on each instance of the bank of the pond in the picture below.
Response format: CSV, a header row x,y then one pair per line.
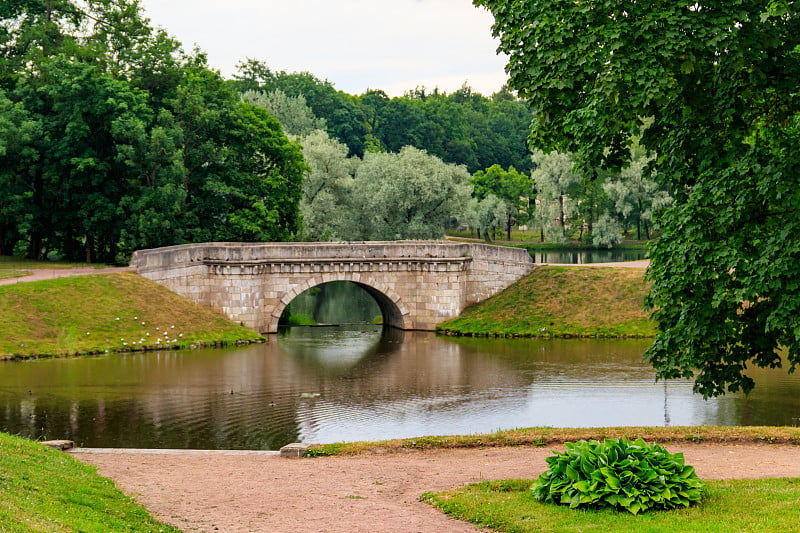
x,y
562,301
105,313
365,493
546,436
43,489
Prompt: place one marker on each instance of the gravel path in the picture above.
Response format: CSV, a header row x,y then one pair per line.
x,y
259,492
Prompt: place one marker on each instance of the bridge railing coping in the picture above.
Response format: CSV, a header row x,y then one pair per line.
x,y
180,256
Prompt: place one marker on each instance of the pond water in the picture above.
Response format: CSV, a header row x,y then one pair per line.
x,y
580,257
329,384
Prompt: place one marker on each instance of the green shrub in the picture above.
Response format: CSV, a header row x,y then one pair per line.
x,y
620,474
301,319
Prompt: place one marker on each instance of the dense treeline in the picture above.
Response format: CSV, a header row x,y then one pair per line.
x,y
112,139
463,127
486,136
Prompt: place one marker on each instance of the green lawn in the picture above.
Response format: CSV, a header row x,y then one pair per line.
x,y
42,489
728,507
555,301
107,312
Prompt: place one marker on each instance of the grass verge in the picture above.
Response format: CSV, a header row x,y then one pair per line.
x,y
105,313
569,301
551,436
43,489
6,274
728,506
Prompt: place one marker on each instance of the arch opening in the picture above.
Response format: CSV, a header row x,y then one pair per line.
x,y
341,302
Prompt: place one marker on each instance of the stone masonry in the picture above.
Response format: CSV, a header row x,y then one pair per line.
x,y
417,284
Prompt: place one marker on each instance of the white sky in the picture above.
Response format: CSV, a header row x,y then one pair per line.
x,y
393,45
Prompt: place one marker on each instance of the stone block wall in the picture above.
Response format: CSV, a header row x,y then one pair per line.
x,y
417,284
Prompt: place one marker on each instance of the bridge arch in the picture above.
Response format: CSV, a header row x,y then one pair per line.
x,y
417,284
393,310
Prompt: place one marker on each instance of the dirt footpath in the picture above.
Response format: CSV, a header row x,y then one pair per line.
x,y
39,274
258,492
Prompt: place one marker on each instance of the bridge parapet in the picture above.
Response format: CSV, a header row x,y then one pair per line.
x,y
417,284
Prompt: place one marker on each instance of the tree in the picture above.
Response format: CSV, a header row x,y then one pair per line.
x,y
112,139
19,132
243,176
407,195
491,213
292,112
718,81
327,188
513,188
343,118
557,186
635,194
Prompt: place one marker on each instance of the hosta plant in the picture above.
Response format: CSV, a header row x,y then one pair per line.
x,y
631,476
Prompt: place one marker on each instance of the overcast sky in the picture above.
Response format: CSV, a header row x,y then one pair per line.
x,y
394,45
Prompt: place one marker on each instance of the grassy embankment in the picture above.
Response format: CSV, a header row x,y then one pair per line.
x,y
105,313
43,489
568,301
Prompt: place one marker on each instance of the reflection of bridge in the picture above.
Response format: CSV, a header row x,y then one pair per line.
x,y
417,284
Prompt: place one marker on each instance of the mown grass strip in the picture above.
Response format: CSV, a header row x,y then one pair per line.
x,y
43,489
729,506
569,301
105,313
550,436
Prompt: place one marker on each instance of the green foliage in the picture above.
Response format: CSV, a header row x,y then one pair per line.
x,y
327,188
742,506
299,319
407,195
46,490
711,90
562,302
491,213
112,139
462,128
558,189
513,188
344,120
623,475
634,194
128,312
385,196
291,111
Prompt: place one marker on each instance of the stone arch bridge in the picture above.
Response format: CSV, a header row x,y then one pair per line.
x,y
417,284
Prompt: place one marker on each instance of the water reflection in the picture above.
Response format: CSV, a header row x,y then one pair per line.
x,y
335,302
333,384
580,257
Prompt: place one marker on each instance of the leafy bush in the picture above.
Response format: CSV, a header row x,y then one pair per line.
x,y
620,474
300,319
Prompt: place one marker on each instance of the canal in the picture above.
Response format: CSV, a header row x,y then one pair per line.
x,y
329,384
